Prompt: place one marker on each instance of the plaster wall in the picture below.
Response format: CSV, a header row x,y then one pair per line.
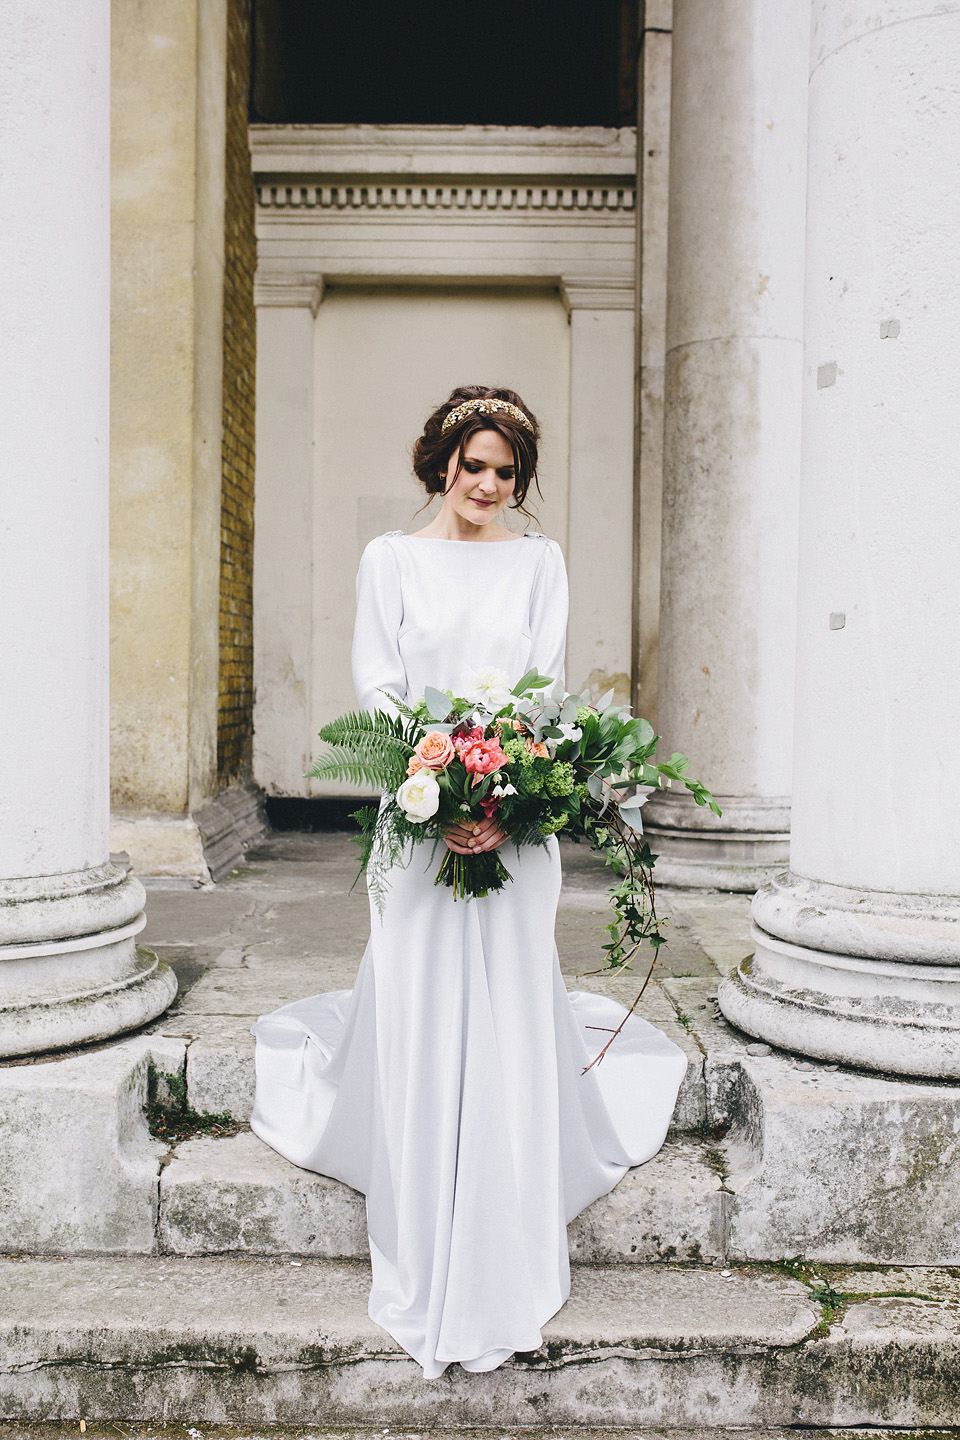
x,y
382,359
168,107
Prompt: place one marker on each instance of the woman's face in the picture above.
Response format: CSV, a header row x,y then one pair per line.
x,y
486,479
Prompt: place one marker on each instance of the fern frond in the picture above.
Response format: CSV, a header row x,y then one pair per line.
x,y
404,709
361,726
359,769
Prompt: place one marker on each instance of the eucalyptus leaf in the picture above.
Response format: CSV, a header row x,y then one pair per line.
x,y
437,703
602,704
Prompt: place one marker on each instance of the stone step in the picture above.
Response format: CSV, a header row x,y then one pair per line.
x,y
235,1194
264,1342
108,1430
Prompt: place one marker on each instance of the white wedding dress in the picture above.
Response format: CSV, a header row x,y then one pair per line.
x,y
447,1086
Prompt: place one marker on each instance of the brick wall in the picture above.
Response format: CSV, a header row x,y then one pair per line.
x,y
235,703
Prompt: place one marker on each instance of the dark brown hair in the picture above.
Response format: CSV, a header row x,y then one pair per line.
x,y
435,448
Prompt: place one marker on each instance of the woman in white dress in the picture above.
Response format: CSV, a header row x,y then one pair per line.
x,y
449,1086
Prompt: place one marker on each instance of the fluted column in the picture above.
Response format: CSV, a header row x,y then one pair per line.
x,y
70,969
858,947
732,434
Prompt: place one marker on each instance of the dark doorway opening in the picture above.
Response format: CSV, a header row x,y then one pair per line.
x,y
506,62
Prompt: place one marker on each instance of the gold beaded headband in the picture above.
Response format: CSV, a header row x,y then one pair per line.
x,y
483,406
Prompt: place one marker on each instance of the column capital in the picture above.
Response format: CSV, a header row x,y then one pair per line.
x,y
596,292
289,289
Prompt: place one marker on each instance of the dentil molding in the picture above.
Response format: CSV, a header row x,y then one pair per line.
x,y
484,204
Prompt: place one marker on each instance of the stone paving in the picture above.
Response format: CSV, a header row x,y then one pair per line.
x,y
291,922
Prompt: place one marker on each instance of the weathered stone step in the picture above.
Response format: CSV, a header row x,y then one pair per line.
x,y
107,1430
269,1342
236,1194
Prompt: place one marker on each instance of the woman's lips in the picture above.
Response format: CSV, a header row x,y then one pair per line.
x,y
484,504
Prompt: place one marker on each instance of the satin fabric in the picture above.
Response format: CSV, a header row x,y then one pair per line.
x,y
448,1085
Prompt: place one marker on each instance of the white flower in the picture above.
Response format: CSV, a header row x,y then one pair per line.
x,y
501,790
570,732
488,687
419,797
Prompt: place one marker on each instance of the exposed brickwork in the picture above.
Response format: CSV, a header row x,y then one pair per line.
x,y
235,706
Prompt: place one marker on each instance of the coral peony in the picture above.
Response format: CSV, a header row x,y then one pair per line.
x,y
482,758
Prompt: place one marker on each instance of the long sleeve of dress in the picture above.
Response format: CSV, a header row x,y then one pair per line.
x,y
549,603
377,664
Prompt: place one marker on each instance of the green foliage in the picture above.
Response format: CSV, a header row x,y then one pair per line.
x,y
170,1116
366,749
366,818
560,779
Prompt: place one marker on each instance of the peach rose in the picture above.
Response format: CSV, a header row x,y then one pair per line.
x,y
414,765
539,749
435,751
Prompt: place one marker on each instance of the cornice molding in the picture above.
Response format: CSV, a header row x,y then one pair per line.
x,y
443,150
596,292
288,290
467,197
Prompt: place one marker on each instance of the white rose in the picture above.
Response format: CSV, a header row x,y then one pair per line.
x,y
419,797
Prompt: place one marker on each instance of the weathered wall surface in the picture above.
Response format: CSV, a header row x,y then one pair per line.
x,y
168,68
235,688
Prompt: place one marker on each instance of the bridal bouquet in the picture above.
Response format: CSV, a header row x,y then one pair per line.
x,y
536,759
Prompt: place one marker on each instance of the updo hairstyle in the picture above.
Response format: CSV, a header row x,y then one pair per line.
x,y
435,448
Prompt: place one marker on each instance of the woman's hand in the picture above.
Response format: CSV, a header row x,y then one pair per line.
x,y
475,837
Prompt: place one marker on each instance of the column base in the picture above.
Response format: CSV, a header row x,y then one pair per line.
x,y
886,997
71,971
695,850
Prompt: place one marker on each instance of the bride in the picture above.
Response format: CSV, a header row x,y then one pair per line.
x,y
449,1086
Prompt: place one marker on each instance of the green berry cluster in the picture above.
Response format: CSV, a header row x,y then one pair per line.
x,y
552,824
517,750
583,714
582,790
560,779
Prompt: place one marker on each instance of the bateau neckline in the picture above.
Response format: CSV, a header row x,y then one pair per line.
x,y
473,544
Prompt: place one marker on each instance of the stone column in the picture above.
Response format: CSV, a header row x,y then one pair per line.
x,y
600,526
283,570
653,171
858,947
70,969
731,434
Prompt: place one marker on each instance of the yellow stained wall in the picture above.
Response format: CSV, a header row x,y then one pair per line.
x,y
168,77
